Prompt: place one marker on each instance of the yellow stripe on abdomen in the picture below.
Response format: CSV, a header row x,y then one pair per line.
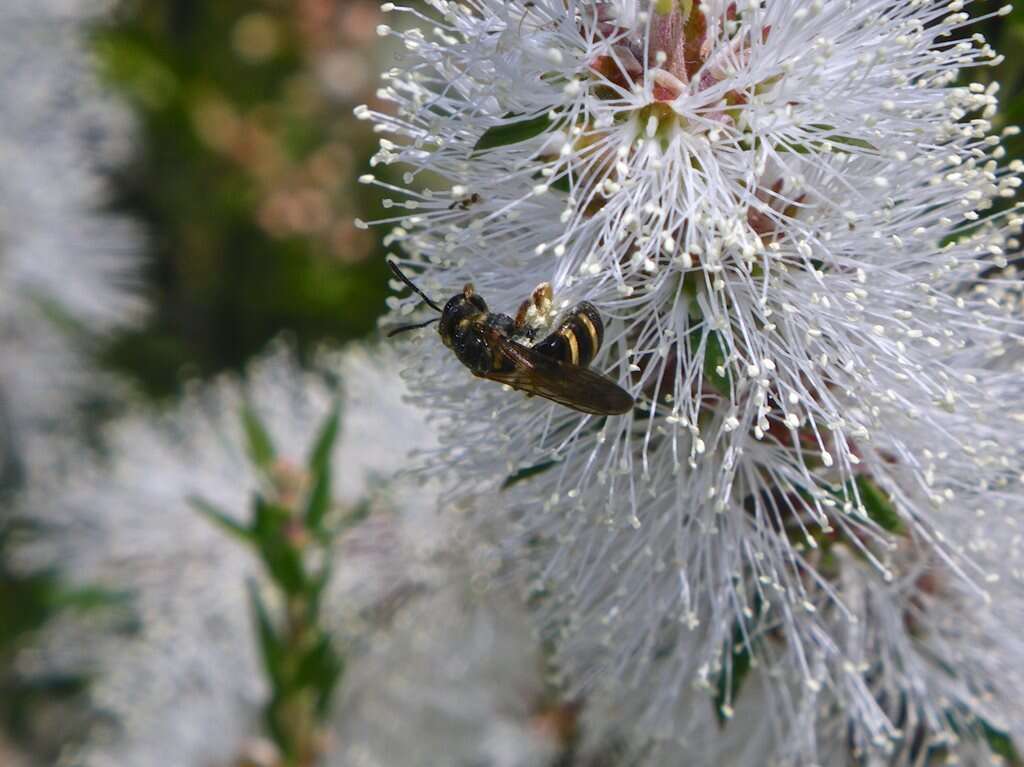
x,y
574,348
595,339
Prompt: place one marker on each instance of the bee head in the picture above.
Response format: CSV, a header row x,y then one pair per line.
x,y
460,307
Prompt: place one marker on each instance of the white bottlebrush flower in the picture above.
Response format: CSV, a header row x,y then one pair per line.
x,y
63,258
782,209
186,688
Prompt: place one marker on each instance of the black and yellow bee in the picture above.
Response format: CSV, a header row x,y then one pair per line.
x,y
554,368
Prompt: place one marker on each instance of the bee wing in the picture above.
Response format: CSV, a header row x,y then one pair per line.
x,y
575,387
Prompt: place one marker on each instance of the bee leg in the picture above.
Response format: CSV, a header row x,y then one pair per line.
x,y
521,315
540,302
543,296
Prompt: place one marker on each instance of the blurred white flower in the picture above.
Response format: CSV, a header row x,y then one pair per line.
x,y
64,260
455,680
441,667
782,209
186,688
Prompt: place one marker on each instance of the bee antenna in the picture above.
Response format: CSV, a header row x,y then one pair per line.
x,y
403,328
400,275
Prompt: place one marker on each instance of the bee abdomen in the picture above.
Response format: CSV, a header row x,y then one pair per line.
x,y
577,339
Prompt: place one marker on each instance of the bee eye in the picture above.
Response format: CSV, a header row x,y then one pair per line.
x,y
478,302
474,345
453,302
473,352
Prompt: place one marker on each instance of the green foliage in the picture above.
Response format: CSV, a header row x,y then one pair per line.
x,y
271,647
876,503
512,133
970,727
321,452
563,183
829,142
734,673
257,440
728,687
222,519
291,530
526,473
320,669
244,180
879,508
714,359
1001,744
28,602
1006,35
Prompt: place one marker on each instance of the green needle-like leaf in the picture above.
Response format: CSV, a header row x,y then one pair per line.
x,y
878,507
258,441
729,684
714,358
319,499
321,453
282,559
512,133
320,670
1001,744
827,140
87,598
526,473
271,647
268,519
740,647
223,520
285,566
563,183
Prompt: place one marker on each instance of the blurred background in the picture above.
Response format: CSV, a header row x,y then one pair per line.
x,y
245,177
197,161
